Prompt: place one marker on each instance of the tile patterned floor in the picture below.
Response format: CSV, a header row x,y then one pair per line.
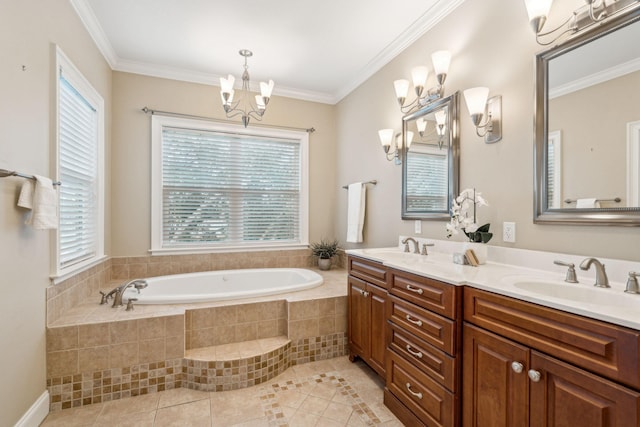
x,y
327,393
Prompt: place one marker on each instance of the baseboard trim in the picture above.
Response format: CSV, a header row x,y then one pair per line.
x,y
36,413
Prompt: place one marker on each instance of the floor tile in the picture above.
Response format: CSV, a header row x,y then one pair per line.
x,y
325,394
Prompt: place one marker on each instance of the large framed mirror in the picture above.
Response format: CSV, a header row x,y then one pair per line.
x,y
430,160
587,127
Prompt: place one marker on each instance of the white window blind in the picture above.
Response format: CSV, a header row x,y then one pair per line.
x,y
228,189
428,188
77,168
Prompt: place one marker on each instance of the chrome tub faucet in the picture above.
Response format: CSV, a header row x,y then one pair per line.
x,y
119,291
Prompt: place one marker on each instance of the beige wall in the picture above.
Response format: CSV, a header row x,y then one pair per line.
x,y
132,151
27,30
593,123
492,45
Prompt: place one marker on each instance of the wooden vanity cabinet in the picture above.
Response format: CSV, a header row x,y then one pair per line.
x,y
423,357
367,320
527,365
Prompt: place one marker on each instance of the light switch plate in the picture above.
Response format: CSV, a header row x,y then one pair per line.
x,y
509,232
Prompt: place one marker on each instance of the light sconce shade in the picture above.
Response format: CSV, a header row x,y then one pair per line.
x,y
419,75
441,121
393,147
538,11
441,61
421,124
479,104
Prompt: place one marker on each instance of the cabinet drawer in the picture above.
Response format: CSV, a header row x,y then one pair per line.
x,y
437,364
436,330
428,400
433,295
370,271
609,350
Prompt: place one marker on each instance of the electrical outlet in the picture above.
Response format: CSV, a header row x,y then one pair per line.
x,y
509,232
418,226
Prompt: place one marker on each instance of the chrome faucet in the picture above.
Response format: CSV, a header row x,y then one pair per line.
x,y
571,272
119,291
416,249
602,281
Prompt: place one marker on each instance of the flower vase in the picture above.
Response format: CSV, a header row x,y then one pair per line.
x,y
480,249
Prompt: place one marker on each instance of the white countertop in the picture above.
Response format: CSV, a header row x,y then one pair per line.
x,y
525,275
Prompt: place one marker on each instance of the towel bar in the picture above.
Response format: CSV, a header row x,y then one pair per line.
x,y
5,173
373,181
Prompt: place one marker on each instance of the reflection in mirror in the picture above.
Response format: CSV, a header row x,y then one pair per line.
x,y
588,127
431,157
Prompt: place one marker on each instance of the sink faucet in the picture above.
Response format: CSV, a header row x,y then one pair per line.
x,y
602,281
119,291
416,249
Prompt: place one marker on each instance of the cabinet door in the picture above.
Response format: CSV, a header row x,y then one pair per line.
x,y
378,329
566,396
359,321
494,393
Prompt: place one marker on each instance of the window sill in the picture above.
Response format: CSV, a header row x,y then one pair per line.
x,y
74,270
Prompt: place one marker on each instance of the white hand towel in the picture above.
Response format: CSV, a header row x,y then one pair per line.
x,y
26,195
355,212
587,203
43,200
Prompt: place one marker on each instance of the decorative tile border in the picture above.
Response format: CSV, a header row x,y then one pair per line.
x,y
307,350
235,374
276,416
72,391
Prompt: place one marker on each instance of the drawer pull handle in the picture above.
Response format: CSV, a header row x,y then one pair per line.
x,y
418,395
415,322
534,375
417,354
517,367
415,290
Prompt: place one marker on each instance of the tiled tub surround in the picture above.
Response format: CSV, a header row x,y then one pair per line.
x,y
72,291
98,353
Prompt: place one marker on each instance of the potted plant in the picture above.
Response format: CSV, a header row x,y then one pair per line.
x,y
324,250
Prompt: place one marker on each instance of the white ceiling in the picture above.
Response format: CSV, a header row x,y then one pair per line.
x,y
318,51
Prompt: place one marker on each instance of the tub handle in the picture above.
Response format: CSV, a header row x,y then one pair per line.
x,y
130,304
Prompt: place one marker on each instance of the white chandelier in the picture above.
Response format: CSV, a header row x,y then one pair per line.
x,y
244,105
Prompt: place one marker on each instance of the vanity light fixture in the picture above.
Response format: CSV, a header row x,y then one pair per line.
x,y
245,105
593,12
393,146
480,105
441,60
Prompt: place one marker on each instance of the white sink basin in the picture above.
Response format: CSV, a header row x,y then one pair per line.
x,y
584,293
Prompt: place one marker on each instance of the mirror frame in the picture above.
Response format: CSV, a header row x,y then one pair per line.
x,y
453,153
629,216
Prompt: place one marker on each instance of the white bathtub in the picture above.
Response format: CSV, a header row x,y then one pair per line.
x,y
223,285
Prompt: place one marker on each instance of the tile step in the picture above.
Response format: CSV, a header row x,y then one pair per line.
x,y
237,351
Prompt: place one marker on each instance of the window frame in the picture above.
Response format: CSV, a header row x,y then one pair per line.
x,y
79,83
160,121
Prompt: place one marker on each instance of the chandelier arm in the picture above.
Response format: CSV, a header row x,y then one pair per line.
x,y
255,115
234,113
594,18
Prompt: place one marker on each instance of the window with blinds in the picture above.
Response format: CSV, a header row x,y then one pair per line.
x,y
428,188
79,148
228,189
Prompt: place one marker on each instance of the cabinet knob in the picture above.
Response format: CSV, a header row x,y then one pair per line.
x,y
418,395
417,354
411,320
535,376
517,367
415,290
365,293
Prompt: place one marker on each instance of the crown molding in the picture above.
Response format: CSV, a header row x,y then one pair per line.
x,y
91,23
596,78
419,28
423,24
